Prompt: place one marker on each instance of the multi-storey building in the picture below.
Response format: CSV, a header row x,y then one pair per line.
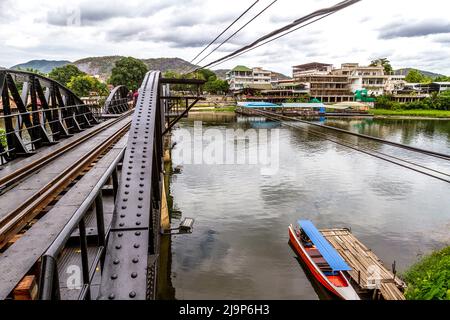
x,y
322,84
241,77
313,68
371,78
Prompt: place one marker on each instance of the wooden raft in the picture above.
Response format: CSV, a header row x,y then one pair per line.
x,y
362,260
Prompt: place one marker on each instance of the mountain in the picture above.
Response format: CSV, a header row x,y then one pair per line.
x,y
102,66
44,66
279,76
221,73
405,71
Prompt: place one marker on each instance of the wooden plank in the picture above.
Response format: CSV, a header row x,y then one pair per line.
x,y
361,259
14,264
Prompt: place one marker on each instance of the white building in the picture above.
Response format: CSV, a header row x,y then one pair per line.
x,y
395,83
370,78
241,76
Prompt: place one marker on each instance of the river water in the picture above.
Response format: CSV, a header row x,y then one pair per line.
x,y
239,247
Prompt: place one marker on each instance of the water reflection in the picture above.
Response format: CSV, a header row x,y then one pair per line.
x,y
239,246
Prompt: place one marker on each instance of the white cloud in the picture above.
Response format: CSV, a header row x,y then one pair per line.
x,y
410,33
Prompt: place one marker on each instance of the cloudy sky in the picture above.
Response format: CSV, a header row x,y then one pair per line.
x,y
411,33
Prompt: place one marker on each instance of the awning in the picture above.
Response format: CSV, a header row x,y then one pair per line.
x,y
330,254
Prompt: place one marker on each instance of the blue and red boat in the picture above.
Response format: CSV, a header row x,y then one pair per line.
x,y
322,260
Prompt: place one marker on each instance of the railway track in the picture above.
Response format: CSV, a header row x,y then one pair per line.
x,y
14,221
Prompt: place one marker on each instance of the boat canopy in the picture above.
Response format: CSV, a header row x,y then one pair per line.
x,y
330,254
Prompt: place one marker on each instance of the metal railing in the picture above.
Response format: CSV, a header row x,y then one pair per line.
x,y
49,286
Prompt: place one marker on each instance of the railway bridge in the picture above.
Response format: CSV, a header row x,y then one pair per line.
x,y
81,188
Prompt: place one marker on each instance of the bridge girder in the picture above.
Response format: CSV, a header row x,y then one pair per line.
x,y
133,246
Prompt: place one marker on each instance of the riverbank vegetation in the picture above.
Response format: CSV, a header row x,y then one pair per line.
x,y
3,138
213,84
429,279
212,109
412,113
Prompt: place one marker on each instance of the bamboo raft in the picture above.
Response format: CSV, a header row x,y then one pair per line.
x,y
369,274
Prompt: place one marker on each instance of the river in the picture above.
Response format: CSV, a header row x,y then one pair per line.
x,y
239,247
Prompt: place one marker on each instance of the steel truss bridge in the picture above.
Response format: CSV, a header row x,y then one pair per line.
x,y
81,188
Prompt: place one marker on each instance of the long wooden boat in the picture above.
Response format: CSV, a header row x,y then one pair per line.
x,y
322,260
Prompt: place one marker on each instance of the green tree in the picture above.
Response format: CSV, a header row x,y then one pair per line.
x,y
415,76
129,72
32,70
442,79
83,85
65,73
207,74
383,62
214,85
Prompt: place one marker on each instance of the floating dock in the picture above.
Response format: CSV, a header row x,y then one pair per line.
x,y
369,275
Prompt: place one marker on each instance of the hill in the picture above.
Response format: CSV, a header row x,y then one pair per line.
x,y
102,66
221,73
405,71
44,66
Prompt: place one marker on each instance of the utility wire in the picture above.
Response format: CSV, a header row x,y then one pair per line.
x,y
233,34
238,18
320,12
278,37
368,151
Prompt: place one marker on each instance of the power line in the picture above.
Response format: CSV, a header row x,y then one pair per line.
x,y
368,151
232,35
238,18
320,12
280,36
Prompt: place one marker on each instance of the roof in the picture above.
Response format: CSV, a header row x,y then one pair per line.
x,y
257,104
241,68
303,105
312,64
259,86
348,105
328,252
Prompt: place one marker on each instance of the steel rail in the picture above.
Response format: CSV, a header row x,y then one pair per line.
x,y
8,180
15,220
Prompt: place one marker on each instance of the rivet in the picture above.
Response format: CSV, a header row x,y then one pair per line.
x,y
124,207
132,294
111,296
117,261
136,245
135,260
138,214
120,234
121,224
114,276
138,223
134,275
138,233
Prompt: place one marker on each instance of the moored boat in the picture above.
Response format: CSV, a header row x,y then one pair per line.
x,y
322,260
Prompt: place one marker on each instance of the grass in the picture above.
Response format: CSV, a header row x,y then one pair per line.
x,y
429,279
3,138
224,109
412,113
